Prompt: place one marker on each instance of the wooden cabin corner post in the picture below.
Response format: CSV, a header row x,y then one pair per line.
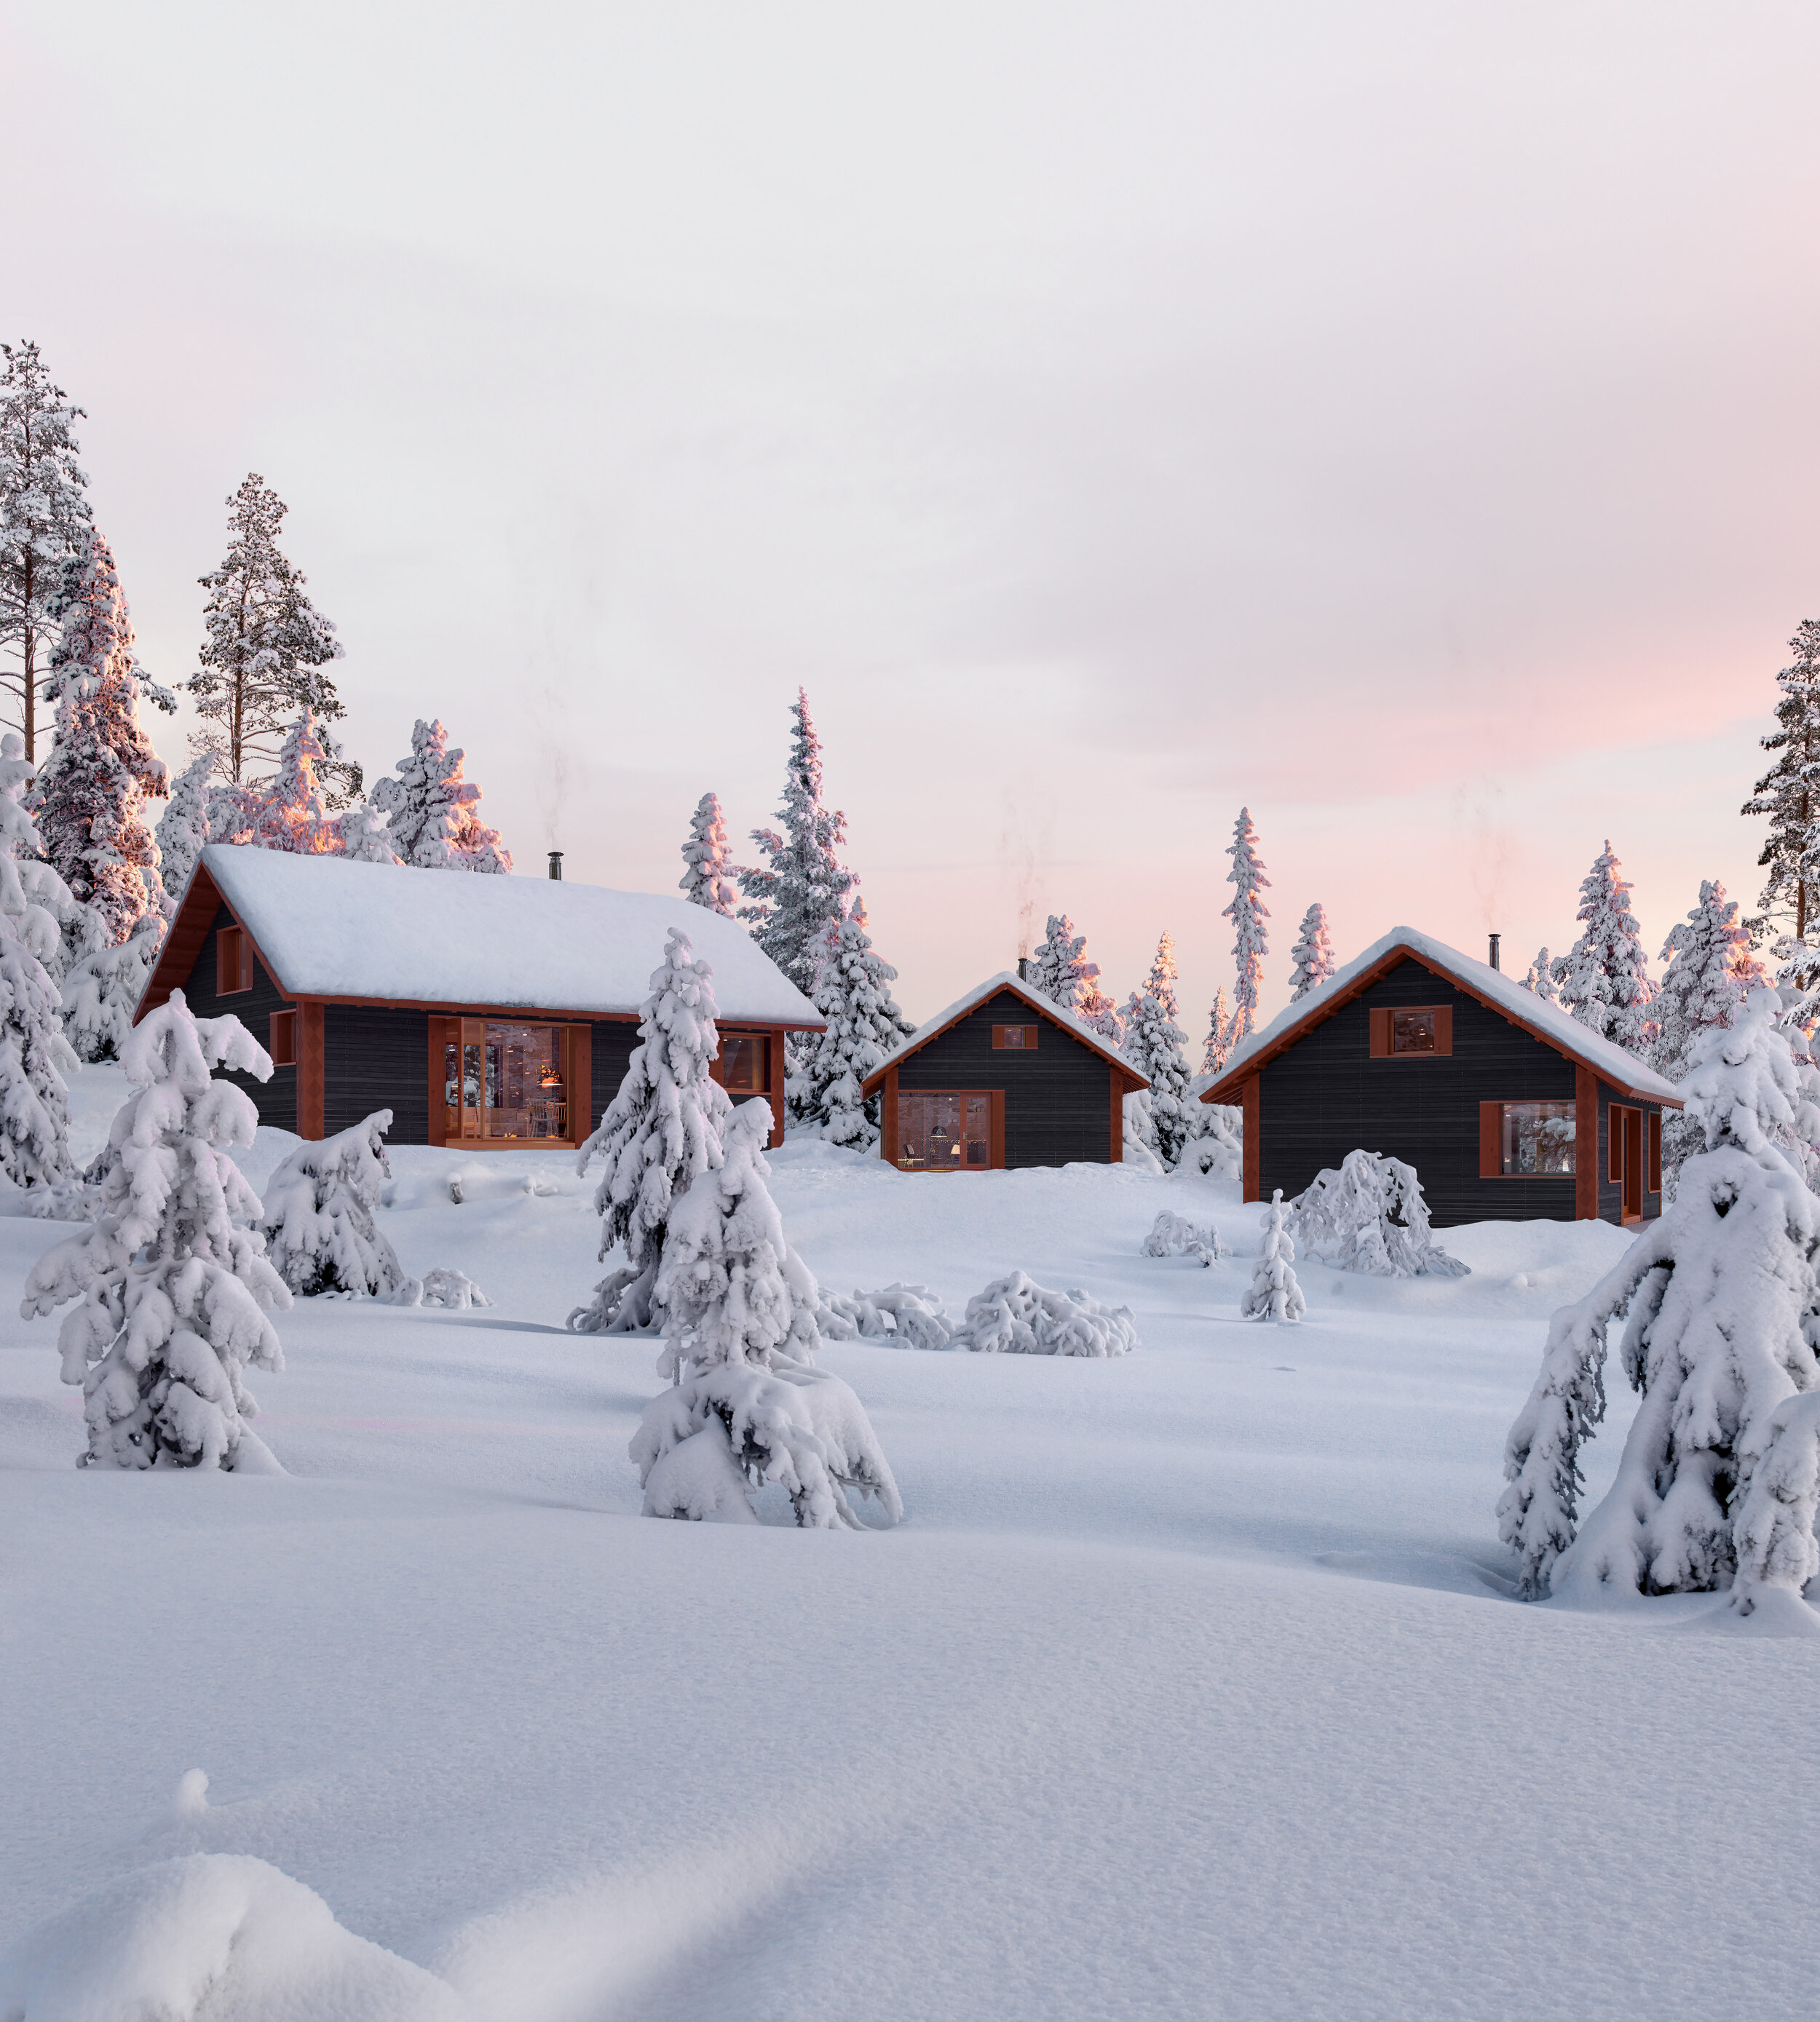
x,y
1251,1161
1585,1144
888,1137
1118,1157
311,1070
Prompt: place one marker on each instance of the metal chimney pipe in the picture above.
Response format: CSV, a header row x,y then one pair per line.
x,y
1495,940
556,872
1023,968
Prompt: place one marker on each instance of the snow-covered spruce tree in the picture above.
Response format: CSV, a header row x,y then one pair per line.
x,y
1312,956
1154,1045
1248,913
1540,982
318,1220
738,1307
1097,1011
1787,793
1723,1293
1604,978
44,520
434,810
1369,1215
363,834
708,868
659,1133
267,649
1216,1141
1015,1316
802,887
1059,969
1710,973
104,984
173,1295
184,827
289,811
35,1104
1218,1050
1273,1294
89,798
853,992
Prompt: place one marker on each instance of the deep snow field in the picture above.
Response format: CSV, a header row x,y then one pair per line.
x,y
1191,1685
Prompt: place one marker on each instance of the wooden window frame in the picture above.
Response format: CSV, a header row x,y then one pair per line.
x,y
995,1096
1614,1114
233,958
282,1039
1491,1140
1620,1119
717,1067
576,1042
1382,1018
1654,1180
1027,1044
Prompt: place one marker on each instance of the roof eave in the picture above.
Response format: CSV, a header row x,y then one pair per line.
x,y
875,1080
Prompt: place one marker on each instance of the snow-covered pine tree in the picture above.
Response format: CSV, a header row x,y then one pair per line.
x,y
708,869
105,983
1154,1045
1787,793
1723,1292
1370,1215
88,799
183,828
853,992
44,517
1059,969
737,1306
661,1131
435,824
290,811
803,886
318,1214
363,834
1710,973
1312,956
1248,913
173,1295
1095,1008
1274,1293
1540,982
1604,978
267,649
1218,1050
35,903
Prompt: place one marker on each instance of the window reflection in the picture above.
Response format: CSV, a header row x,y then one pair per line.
x,y
944,1133
1412,1032
507,1083
1538,1137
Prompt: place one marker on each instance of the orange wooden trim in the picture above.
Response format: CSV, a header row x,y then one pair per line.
x,y
998,1096
1026,1045
1251,1162
889,1145
281,1039
1655,1150
1380,1028
775,1075
1614,1143
994,1097
1118,1082
1491,1149
311,1069
581,1081
1357,988
439,1043
1044,1010
1585,1144
1443,1029
1442,1014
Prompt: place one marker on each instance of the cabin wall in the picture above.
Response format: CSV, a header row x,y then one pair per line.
x,y
1611,1191
1057,1099
376,1058
611,1054
1325,1096
275,1099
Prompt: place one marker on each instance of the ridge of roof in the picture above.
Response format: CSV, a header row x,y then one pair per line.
x,y
1009,980
1499,991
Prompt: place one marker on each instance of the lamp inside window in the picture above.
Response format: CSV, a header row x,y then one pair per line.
x,y
507,1083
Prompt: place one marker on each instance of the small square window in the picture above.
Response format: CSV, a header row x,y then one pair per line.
x,y
283,1046
1015,1039
1536,1139
1412,1032
233,962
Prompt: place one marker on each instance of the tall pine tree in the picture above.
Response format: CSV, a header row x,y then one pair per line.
x,y
1059,969
35,1104
1248,913
1312,956
707,875
802,887
1787,792
1711,971
44,519
1604,978
267,650
1154,1045
1218,1050
853,992
183,828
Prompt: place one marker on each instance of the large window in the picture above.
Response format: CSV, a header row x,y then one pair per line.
x,y
1536,1139
742,1063
944,1133
508,1084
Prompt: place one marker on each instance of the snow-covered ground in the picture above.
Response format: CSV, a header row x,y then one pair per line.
x,y
1191,1685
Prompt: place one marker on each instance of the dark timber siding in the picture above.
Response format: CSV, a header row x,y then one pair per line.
x,y
374,1058
1057,1099
1325,1096
276,1099
611,1054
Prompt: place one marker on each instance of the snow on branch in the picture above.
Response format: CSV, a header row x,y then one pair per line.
x,y
1370,1216
319,1210
1015,1316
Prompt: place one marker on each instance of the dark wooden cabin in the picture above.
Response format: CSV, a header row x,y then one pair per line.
x,y
1509,1109
496,1013
1002,1078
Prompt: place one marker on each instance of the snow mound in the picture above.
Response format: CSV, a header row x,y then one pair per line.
x,y
905,1315
1370,1216
212,1938
451,1288
1015,1316
1173,1235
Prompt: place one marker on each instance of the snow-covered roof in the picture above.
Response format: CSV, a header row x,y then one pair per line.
x,y
1009,980
327,926
1503,993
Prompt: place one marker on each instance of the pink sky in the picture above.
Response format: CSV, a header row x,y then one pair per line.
x,y
1397,420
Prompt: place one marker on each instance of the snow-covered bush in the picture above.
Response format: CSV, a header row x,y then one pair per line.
x,y
1216,1138
1139,1147
853,992
1015,1316
434,812
35,1104
660,1132
905,1315
1274,1293
454,1290
318,1214
737,1306
1724,1294
1370,1217
173,1294
1173,1235
363,834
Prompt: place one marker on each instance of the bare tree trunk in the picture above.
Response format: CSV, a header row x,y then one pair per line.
x,y
30,641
